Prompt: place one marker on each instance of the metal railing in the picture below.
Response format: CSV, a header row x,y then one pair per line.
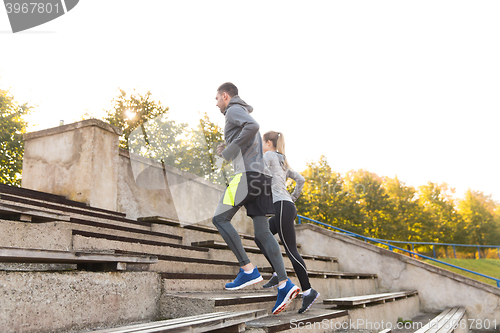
x,y
392,247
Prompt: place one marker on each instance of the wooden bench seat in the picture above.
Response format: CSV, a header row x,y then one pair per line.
x,y
135,240
124,228
53,198
363,301
160,220
445,322
324,274
58,209
85,260
213,244
27,214
210,322
213,230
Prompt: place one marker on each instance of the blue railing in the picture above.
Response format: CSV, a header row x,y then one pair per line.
x,y
392,247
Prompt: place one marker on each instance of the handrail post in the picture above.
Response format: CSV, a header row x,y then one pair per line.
x,y
299,220
455,254
478,253
498,250
498,283
434,251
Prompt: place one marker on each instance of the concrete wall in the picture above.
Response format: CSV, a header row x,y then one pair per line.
x,y
39,302
79,161
149,188
82,161
437,288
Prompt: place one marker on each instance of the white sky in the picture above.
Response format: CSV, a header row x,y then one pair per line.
x,y
396,87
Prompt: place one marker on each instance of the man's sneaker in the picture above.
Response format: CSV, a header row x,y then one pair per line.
x,y
272,283
308,300
243,279
285,296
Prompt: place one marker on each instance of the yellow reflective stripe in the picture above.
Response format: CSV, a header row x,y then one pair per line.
x,y
231,190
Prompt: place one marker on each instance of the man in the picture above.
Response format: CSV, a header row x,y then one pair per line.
x,y
250,187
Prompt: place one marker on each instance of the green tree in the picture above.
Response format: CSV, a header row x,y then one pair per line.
x,y
131,112
12,128
318,200
479,222
149,131
201,156
406,221
441,216
373,203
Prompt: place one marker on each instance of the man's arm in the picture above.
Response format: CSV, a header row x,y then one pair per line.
x,y
240,117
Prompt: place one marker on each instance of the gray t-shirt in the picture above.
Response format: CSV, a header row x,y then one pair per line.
x,y
276,163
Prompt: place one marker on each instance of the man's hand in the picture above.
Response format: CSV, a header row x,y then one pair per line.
x,y
220,148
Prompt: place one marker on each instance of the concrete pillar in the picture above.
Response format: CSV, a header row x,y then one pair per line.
x,y
78,161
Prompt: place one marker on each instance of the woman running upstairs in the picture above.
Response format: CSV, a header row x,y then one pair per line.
x,y
283,222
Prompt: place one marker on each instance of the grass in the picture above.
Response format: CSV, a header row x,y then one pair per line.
x,y
490,267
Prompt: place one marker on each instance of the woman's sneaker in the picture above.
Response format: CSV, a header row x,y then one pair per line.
x,y
243,279
308,300
272,283
285,296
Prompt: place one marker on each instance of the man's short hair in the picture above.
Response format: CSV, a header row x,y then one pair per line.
x,y
228,88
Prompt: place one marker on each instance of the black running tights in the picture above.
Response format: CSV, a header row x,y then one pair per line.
x,y
283,224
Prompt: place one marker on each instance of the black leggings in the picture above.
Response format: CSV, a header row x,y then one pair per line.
x,y
283,224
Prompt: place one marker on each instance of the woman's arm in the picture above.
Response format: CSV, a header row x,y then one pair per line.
x,y
299,180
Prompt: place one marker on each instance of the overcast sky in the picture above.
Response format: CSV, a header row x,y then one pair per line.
x,y
399,88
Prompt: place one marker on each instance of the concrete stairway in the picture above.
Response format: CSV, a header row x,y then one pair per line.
x,y
193,264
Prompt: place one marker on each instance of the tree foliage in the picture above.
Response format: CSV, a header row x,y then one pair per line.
x,y
132,111
387,208
149,131
12,128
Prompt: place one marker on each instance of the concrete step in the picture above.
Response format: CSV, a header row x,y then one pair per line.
x,y
28,214
253,248
199,231
190,235
125,231
219,249
195,232
80,210
53,199
83,240
77,213
328,288
316,319
259,260
335,283
181,304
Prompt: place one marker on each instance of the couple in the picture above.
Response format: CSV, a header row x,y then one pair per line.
x,y
260,168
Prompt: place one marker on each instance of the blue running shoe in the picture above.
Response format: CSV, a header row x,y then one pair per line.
x,y
285,296
242,279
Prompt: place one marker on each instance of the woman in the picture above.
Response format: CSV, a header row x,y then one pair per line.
x,y
285,213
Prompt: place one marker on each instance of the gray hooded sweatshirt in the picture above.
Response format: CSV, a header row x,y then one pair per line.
x,y
243,140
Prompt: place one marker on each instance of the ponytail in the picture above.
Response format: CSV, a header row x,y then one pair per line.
x,y
278,140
